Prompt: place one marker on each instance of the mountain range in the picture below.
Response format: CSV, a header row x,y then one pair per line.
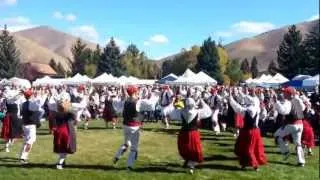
x,y
43,43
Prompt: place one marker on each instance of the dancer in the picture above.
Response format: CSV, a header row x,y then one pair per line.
x,y
131,127
64,141
31,120
189,143
166,102
12,124
292,109
249,145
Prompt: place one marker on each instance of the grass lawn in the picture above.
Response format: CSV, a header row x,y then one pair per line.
x,y
158,158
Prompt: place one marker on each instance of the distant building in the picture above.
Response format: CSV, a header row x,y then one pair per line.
x,y
32,71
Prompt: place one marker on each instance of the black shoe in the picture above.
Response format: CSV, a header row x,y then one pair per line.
x,y
185,164
129,168
301,164
23,161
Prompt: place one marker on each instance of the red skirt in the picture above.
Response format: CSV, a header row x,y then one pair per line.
x,y
62,142
249,148
6,127
239,120
109,115
189,146
307,135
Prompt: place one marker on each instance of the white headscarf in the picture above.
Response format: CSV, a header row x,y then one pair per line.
x,y
189,112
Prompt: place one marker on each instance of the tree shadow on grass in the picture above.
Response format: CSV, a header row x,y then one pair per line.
x,y
272,152
161,130
52,166
148,168
219,167
219,158
282,163
223,144
8,159
161,169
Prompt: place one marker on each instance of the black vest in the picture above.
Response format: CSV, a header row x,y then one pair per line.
x,y
249,122
193,125
27,114
75,99
130,113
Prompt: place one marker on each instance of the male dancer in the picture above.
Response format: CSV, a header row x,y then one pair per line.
x,y
292,109
30,119
131,128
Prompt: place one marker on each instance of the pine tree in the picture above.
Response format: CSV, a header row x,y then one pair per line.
x,y
110,60
9,55
291,60
96,55
245,67
312,50
208,60
133,50
272,68
254,67
79,61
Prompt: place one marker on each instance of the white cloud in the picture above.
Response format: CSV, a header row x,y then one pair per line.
x,y
70,17
8,2
252,27
314,17
17,23
244,28
58,15
87,32
156,39
159,39
67,17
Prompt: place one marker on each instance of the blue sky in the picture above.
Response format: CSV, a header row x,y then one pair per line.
x,y
159,28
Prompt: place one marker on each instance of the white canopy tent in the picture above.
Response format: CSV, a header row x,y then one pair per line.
x,y
311,82
188,73
20,82
77,80
190,78
47,81
105,79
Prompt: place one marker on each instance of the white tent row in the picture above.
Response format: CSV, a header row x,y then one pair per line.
x,y
190,78
267,80
16,82
103,79
47,81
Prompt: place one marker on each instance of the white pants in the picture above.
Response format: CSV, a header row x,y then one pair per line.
x,y
131,139
29,133
295,130
215,121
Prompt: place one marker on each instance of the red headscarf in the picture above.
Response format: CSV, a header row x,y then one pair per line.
x,y
27,93
132,90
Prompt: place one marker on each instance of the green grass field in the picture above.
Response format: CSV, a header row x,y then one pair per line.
x,y
158,158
